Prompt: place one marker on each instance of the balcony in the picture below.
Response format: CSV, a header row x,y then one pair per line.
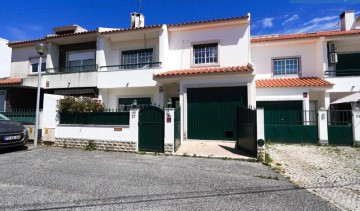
x,y
342,73
132,66
128,76
73,69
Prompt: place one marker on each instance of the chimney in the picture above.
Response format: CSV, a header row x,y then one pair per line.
x,y
137,20
347,20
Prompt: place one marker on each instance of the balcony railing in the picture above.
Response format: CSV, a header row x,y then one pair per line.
x,y
342,73
132,66
73,69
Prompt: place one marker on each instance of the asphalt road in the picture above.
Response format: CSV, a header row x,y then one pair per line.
x,y
50,178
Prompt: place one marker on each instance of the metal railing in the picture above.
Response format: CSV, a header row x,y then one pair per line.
x,y
25,116
307,117
132,66
73,69
339,117
342,73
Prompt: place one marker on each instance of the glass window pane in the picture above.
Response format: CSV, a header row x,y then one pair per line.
x,y
34,67
137,59
205,53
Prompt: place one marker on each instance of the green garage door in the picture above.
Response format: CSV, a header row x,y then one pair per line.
x,y
212,112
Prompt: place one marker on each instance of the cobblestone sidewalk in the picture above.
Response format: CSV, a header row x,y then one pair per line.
x,y
333,173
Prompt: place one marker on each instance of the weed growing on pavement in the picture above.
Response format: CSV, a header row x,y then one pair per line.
x,y
185,155
155,153
268,177
90,146
194,155
268,159
141,153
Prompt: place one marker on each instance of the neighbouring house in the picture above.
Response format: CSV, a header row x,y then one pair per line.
x,y
301,73
203,67
6,82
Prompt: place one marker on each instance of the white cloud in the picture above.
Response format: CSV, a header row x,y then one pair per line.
x,y
267,22
18,34
292,18
321,20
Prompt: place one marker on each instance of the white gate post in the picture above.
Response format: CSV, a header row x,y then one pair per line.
x,y
356,126
323,126
260,121
169,130
134,126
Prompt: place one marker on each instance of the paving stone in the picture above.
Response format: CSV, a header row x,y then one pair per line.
x,y
330,172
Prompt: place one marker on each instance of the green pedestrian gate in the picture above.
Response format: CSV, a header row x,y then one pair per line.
x,y
246,128
177,129
151,129
340,127
287,122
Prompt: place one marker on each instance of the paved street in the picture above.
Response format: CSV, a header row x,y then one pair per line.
x,y
330,172
56,178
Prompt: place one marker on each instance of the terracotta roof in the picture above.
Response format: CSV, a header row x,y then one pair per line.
x,y
303,36
291,82
206,70
130,29
9,81
70,34
210,21
11,43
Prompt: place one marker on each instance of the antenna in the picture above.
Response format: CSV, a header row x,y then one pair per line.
x,y
140,6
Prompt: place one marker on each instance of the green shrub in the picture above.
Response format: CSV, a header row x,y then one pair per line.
x,y
79,105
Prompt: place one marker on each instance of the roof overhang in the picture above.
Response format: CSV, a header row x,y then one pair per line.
x,y
310,82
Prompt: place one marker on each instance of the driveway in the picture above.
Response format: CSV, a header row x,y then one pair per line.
x,y
330,172
57,178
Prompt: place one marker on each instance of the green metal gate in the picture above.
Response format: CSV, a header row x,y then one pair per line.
x,y
286,122
211,113
177,129
340,127
246,127
151,129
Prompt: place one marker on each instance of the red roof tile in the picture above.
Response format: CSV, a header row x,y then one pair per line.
x,y
303,36
12,43
210,21
206,70
9,81
291,82
129,29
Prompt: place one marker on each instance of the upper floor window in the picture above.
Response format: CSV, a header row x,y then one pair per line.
x,y
137,58
78,61
205,53
35,65
286,66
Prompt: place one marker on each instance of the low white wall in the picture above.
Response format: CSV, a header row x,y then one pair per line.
x,y
49,113
92,132
169,130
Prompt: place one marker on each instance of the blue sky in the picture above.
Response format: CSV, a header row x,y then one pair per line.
x,y
22,20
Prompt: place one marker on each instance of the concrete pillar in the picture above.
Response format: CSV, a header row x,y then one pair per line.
x,y
163,46
134,126
169,130
306,106
251,92
260,121
159,96
356,126
323,127
327,100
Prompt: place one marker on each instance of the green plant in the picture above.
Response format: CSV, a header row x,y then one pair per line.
x,y
90,146
268,159
185,155
78,105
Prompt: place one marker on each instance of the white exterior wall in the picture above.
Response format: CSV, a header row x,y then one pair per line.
x,y
52,59
310,57
280,94
64,80
5,59
233,49
95,132
20,64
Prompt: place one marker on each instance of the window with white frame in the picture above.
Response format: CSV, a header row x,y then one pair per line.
x,y
286,66
137,58
35,65
78,61
205,53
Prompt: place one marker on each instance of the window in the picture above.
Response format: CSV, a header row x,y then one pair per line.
x,y
126,103
288,66
34,62
137,58
205,54
78,61
35,67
